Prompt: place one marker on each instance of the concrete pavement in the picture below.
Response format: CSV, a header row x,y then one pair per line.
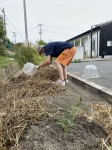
x,y
102,84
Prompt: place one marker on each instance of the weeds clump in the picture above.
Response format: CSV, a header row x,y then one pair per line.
x,y
5,61
68,120
26,54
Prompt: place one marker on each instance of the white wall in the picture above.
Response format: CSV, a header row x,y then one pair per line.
x,y
86,40
88,45
79,53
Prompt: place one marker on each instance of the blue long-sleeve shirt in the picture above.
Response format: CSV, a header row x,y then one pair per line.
x,y
56,48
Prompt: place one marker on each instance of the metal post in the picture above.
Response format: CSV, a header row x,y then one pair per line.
x,y
25,20
97,41
91,40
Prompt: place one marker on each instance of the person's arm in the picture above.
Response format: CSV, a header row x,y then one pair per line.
x,y
47,62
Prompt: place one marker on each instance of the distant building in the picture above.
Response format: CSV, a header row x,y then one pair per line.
x,y
93,43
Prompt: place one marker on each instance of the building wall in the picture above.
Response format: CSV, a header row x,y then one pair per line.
x,y
106,39
86,46
101,41
79,53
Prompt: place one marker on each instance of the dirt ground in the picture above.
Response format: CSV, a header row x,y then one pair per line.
x,y
45,133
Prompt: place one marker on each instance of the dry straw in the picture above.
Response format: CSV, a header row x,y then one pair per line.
x,y
21,104
102,115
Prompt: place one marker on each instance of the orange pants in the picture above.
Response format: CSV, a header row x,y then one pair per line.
x,y
66,56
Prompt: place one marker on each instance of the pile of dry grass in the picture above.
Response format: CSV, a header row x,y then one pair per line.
x,y
14,120
24,86
22,104
102,115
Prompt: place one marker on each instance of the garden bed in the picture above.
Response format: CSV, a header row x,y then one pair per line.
x,y
34,112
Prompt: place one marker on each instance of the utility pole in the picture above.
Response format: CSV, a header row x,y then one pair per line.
x,y
4,21
40,31
25,20
14,35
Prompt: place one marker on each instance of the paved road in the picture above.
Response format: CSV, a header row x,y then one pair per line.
x,y
104,69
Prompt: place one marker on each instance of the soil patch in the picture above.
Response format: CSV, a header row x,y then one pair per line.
x,y
31,106
48,135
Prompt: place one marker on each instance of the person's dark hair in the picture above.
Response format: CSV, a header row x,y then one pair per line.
x,y
39,49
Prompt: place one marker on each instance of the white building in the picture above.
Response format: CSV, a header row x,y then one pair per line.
x,y
93,43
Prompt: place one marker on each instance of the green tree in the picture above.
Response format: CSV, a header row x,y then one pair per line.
x,y
2,31
41,42
2,37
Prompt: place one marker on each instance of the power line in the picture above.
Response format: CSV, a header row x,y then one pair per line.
x,y
13,26
52,30
46,28
54,27
63,28
57,32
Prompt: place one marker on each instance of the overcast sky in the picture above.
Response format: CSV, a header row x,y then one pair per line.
x,y
60,19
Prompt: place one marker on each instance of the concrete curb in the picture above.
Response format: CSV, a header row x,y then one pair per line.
x,y
96,59
92,86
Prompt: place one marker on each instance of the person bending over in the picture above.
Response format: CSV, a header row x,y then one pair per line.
x,y
63,52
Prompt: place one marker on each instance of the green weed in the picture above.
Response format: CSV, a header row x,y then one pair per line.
x,y
25,54
5,61
68,120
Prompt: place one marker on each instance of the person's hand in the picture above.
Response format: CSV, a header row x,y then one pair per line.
x,y
35,70
36,67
